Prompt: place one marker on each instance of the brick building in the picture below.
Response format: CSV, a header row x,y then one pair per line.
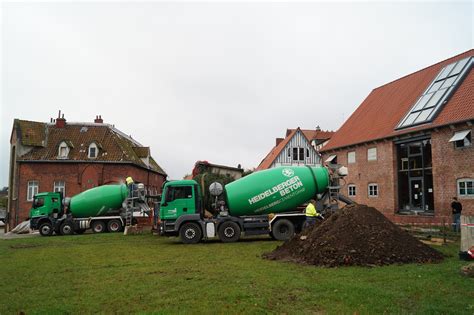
x,y
73,157
299,147
408,146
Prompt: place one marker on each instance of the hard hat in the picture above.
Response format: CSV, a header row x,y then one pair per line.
x,y
129,180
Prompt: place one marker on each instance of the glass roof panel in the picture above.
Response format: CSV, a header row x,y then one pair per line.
x,y
445,72
459,66
440,89
435,86
423,115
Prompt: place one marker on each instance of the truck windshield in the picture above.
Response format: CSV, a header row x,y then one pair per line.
x,y
39,202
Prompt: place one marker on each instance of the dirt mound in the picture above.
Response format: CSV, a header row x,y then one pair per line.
x,y
356,235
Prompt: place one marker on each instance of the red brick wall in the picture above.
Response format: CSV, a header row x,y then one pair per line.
x,y
77,177
449,165
363,172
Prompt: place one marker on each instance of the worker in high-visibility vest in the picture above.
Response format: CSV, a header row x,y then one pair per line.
x,y
129,181
312,214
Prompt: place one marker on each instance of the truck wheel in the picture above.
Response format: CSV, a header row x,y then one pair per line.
x,y
46,229
98,226
190,233
114,226
229,232
66,228
283,230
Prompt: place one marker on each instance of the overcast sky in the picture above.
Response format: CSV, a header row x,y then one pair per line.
x,y
214,81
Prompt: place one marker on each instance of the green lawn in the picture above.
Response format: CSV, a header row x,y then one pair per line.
x,y
112,273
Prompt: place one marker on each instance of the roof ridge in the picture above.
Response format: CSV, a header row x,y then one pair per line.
x,y
422,69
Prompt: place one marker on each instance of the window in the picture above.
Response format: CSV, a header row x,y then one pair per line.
x,y
351,157
179,192
298,154
39,202
466,187
373,190
63,150
295,154
92,151
437,93
307,152
462,139
32,190
60,186
351,189
372,154
301,154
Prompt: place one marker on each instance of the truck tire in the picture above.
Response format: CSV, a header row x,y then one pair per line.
x,y
66,228
283,230
190,233
98,227
229,232
46,229
114,226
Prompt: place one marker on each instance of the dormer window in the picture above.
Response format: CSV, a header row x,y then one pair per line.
x,y
63,151
93,151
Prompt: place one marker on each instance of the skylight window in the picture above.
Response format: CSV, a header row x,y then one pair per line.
x,y
437,93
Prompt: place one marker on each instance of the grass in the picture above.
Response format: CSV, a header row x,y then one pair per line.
x,y
112,273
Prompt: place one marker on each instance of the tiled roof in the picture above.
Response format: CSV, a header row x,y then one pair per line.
x,y
114,146
379,114
317,135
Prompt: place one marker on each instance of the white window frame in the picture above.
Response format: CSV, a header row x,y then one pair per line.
x,y
349,190
463,182
60,186
92,145
373,193
32,189
372,154
63,145
351,157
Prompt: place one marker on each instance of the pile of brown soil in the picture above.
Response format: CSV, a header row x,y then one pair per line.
x,y
356,235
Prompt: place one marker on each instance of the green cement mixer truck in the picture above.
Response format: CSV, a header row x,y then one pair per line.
x,y
103,208
264,202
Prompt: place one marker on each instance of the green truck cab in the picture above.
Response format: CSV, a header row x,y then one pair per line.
x,y
45,204
179,198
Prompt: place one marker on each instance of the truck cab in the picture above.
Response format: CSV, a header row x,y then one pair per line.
x,y
181,201
45,206
180,198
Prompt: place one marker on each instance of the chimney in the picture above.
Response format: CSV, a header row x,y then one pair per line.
x,y
318,128
98,119
278,140
60,121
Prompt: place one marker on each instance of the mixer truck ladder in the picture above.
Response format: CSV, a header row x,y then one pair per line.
x,y
334,188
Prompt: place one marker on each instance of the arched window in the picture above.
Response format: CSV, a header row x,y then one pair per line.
x,y
93,151
63,150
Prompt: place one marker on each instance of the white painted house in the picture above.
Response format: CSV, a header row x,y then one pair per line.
x,y
299,147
